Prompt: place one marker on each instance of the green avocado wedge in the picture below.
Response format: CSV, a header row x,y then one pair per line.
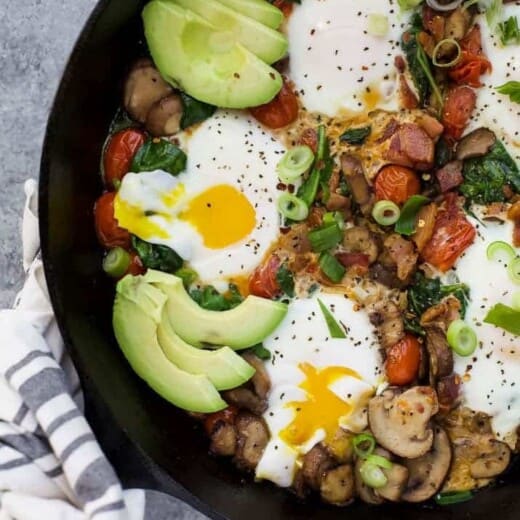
x,y
137,309
259,10
223,367
244,326
205,62
269,45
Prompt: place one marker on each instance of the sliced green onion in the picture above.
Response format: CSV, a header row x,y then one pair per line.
x,y
325,237
372,475
500,251
514,270
386,212
116,262
516,301
331,268
406,5
439,46
187,275
461,338
423,60
295,163
377,24
454,497
261,352
334,217
291,207
504,317
335,329
406,223
363,439
309,189
380,461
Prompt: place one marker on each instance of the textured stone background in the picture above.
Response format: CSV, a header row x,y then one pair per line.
x,y
36,37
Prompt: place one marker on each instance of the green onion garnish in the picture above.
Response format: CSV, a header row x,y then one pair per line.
x,y
500,251
380,461
455,497
406,222
331,268
514,270
295,163
504,317
291,207
377,24
116,262
325,237
516,301
334,217
309,189
363,445
438,47
386,212
335,328
461,338
187,275
372,475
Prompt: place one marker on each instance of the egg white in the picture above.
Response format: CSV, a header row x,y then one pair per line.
x,y
303,336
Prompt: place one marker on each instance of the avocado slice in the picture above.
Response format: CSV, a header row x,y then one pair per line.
x,y
223,367
205,62
269,45
259,10
137,310
244,326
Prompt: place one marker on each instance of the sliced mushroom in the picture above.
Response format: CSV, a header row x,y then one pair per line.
x,y
402,253
164,117
355,176
493,459
253,437
223,440
475,144
457,23
386,316
337,485
400,422
385,275
425,225
427,473
316,463
366,493
359,239
144,86
397,477
245,398
261,381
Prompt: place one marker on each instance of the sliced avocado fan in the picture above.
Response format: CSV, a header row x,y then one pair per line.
x,y
259,10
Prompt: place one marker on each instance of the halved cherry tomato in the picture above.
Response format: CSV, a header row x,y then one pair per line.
x,y
396,183
452,234
263,281
136,266
107,228
119,154
285,6
458,106
279,112
226,416
402,361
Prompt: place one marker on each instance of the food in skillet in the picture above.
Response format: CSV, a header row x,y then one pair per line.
x,y
312,212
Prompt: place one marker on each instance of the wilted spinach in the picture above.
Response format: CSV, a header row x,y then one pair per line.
x,y
159,154
356,135
194,111
154,256
285,280
209,298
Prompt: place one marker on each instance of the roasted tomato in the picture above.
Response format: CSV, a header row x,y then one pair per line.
x,y
286,6
452,234
279,112
396,183
136,266
263,281
119,153
458,106
107,228
226,416
403,360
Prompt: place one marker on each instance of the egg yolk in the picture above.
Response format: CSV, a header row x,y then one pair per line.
x,y
222,215
322,409
137,220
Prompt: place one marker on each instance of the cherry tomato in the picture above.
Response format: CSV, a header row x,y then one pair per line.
x,y
279,112
396,183
458,106
136,266
119,154
107,228
285,6
452,234
402,361
263,281
226,416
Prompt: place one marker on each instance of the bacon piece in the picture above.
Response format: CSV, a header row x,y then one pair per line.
x,y
450,176
411,146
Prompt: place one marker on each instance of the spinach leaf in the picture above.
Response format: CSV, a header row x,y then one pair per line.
x,y
511,89
194,111
154,256
406,222
159,154
426,292
486,176
356,135
285,280
509,31
443,153
261,352
209,298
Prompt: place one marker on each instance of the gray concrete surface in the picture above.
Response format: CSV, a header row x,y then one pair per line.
x,y
36,37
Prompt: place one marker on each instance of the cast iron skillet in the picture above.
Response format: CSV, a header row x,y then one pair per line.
x,y
175,448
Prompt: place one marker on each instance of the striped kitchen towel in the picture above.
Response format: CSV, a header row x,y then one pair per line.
x,y
51,466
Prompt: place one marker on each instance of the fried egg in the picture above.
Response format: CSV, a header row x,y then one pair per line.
x,y
219,214
496,111
319,383
490,376
336,64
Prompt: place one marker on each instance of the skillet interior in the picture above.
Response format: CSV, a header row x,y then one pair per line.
x,y
82,298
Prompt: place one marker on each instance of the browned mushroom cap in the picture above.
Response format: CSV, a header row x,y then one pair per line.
x,y
366,493
144,86
400,422
246,398
386,316
316,463
457,23
261,381
475,144
253,437
493,458
427,473
355,176
164,117
223,440
337,485
359,239
397,477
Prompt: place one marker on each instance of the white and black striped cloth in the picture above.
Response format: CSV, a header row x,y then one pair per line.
x,y
51,466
